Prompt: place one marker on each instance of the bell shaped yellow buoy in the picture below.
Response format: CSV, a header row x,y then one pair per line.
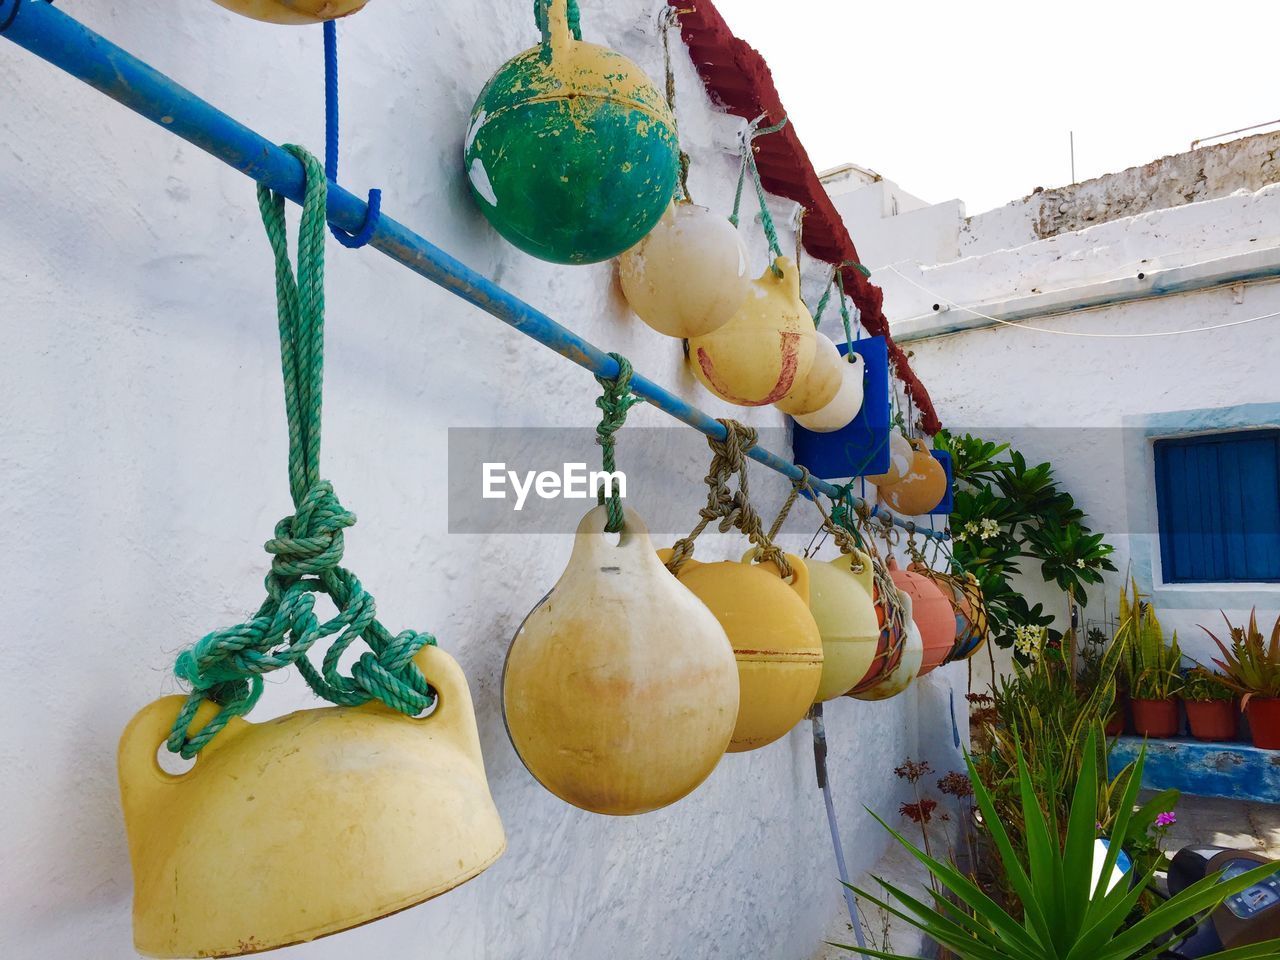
x,y
844,406
900,457
820,385
293,11
921,488
305,825
688,276
775,641
620,690
765,349
899,678
842,604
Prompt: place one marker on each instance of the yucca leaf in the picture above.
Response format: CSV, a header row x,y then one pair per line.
x,y
1205,894
1044,860
1078,852
1254,951
1114,909
961,932
941,929
969,892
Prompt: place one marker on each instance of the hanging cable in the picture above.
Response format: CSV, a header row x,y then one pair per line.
x,y
365,233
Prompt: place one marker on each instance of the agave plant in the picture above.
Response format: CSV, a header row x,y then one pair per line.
x,y
1070,912
1154,668
1251,665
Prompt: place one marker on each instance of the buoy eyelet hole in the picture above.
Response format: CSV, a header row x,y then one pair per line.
x,y
174,764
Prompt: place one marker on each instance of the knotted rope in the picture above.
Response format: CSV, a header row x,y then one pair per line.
x,y
614,402
226,666
732,508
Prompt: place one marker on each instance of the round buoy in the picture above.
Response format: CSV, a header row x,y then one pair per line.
x,y
921,488
821,384
900,455
842,604
688,277
571,152
845,405
932,612
294,12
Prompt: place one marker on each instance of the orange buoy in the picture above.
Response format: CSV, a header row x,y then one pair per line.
x,y
900,457
921,488
932,613
765,350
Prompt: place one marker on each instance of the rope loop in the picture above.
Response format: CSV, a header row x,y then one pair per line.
x,y
358,239
731,509
226,666
753,131
614,402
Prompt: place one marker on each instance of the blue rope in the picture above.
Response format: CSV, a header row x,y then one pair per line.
x,y
349,240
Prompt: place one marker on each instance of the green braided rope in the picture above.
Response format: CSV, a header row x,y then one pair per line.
x,y
749,165
614,402
226,666
541,17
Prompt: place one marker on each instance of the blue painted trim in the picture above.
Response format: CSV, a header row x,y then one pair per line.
x,y
69,45
1235,771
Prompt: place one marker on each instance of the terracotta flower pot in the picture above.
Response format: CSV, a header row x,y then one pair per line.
x,y
1213,720
1156,718
1264,722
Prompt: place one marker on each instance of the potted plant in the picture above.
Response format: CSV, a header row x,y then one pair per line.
x,y
1252,668
1211,705
1154,667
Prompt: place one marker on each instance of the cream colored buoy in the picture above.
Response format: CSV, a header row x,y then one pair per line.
x,y
841,600
921,488
823,381
900,457
620,690
765,350
688,277
775,641
305,825
908,667
846,404
293,11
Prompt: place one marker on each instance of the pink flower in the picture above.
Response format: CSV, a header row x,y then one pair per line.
x,y
1166,819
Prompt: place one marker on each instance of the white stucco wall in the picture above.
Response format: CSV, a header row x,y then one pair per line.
x,y
1093,405
142,465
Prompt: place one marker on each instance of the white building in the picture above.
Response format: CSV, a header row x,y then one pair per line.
x,y
1110,272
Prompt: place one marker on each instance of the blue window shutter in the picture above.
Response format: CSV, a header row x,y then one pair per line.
x,y
1218,504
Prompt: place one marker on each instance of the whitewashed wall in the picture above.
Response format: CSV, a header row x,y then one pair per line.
x,y
142,465
1092,405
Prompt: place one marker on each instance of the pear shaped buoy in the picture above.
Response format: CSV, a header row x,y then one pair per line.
x,y
820,385
844,406
922,486
571,151
842,604
901,455
293,11
305,825
688,277
761,354
775,641
620,690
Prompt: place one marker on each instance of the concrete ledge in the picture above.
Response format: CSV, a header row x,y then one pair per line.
x,y
1236,771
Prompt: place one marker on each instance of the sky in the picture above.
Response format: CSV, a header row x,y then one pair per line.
x,y
975,100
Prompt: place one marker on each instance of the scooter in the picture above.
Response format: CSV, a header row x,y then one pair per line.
x,y
1251,916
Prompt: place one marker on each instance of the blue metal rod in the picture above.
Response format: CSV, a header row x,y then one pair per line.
x,y
52,35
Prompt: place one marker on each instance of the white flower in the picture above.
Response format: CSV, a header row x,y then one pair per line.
x,y
989,529
1080,564
1027,640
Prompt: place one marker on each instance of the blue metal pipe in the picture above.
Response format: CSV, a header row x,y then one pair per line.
x,y
52,35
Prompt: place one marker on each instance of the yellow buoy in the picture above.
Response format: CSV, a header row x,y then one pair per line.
x,y
842,604
306,825
900,456
908,667
620,690
775,641
820,385
765,350
688,277
293,11
844,406
921,488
